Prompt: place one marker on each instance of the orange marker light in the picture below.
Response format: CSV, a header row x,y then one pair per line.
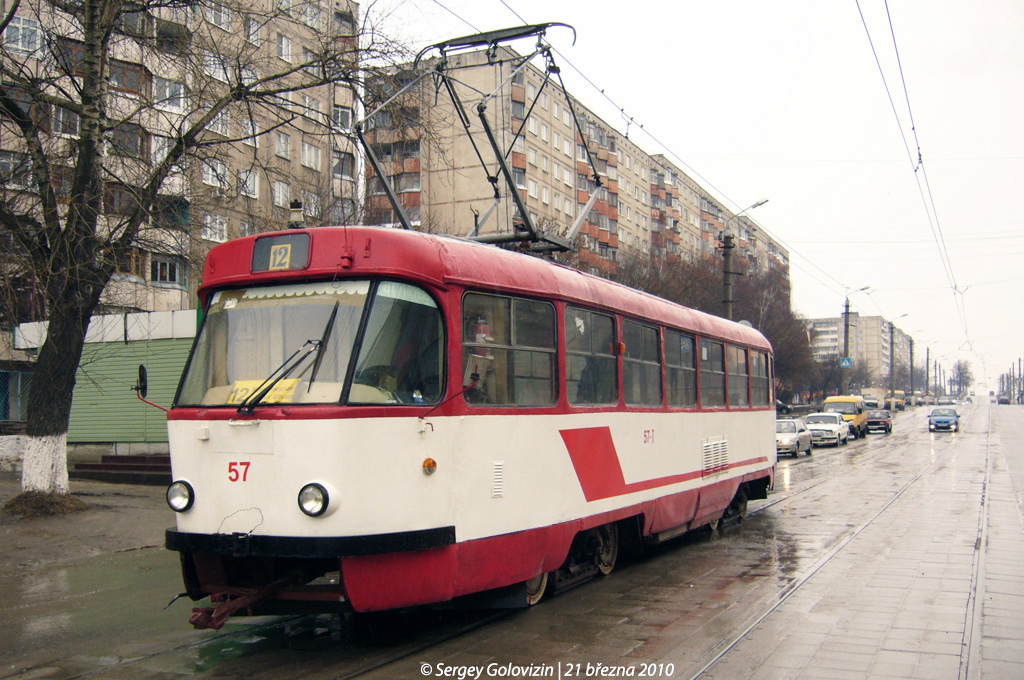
x,y
429,466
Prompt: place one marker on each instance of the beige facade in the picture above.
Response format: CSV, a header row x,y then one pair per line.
x,y
166,68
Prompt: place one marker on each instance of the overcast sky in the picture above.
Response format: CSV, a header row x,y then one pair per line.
x,y
785,100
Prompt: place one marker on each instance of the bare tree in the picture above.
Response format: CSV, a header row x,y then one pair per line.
x,y
118,116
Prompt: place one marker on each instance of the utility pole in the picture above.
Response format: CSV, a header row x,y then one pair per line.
x,y
727,247
912,368
927,366
728,244
846,347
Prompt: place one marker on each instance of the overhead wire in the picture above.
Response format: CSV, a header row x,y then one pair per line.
x,y
925,191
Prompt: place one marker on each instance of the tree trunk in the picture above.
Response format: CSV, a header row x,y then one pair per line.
x,y
45,466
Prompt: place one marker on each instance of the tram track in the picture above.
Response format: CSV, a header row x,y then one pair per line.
x,y
970,646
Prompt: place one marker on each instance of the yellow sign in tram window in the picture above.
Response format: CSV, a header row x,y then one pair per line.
x,y
280,256
282,392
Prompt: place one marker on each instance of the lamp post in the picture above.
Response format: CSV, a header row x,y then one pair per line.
x,y
727,247
846,340
892,361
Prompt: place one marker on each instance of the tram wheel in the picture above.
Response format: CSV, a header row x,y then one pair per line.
x,y
535,589
608,548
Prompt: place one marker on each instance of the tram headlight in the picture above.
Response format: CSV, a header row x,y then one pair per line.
x,y
313,500
180,496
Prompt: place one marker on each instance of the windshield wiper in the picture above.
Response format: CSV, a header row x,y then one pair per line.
x,y
323,343
279,374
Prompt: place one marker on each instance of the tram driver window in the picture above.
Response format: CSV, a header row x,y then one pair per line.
x,y
508,351
712,374
590,373
401,355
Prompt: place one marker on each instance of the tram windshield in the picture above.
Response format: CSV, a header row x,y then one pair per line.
x,y
293,344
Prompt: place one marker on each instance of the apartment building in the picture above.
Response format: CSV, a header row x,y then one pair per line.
x,y
258,159
869,343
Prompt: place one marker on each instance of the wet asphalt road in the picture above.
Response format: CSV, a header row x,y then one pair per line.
x,y
754,600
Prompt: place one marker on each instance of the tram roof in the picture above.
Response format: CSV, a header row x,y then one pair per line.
x,y
351,252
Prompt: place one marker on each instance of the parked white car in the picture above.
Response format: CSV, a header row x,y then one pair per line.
x,y
792,436
828,428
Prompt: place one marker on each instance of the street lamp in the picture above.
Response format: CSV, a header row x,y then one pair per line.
x,y
727,246
846,340
892,361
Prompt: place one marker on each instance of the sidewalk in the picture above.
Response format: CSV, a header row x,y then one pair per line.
x,y
121,517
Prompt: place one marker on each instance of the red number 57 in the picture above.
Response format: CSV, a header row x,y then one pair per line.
x,y
238,471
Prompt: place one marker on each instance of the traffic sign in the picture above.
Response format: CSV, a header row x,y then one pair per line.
x,y
846,362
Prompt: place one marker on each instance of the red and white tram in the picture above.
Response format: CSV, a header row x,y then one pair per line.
x,y
375,418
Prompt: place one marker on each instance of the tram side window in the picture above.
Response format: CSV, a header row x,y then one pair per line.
x,y
401,355
681,369
509,352
759,385
590,373
712,374
738,376
641,365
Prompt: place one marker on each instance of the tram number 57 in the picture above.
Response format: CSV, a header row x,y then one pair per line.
x,y
238,472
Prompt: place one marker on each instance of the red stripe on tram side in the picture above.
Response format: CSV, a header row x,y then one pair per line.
x,y
598,468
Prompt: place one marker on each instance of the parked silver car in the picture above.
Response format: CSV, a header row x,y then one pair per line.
x,y
792,436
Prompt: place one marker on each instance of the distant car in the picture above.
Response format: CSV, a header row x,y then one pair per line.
x,y
870,402
946,401
1004,400
792,436
880,420
944,419
782,407
827,428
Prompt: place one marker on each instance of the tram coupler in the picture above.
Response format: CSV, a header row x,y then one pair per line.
x,y
215,616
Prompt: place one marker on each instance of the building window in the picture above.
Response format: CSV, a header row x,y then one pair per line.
x,y
164,269
129,139
168,95
65,122
249,183
533,188
215,174
311,156
221,123
22,35
215,228
282,194
312,109
283,145
219,16
284,47
343,165
215,68
342,117
310,204
253,31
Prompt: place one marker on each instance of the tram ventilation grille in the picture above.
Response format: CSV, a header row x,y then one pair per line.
x,y
714,456
498,480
